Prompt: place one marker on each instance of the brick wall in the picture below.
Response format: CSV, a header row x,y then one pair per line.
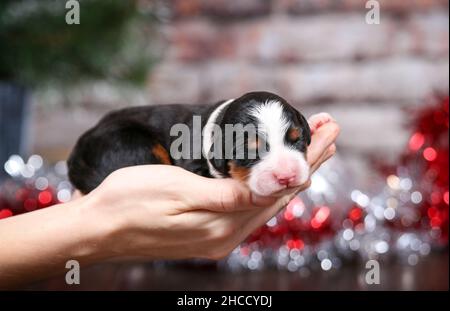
x,y
318,54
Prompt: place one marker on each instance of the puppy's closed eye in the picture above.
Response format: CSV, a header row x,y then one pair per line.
x,y
254,143
293,134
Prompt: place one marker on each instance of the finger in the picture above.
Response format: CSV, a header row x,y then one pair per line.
x,y
262,216
321,140
331,151
254,219
324,157
305,186
229,195
317,120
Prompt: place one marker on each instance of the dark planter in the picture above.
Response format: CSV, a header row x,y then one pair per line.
x,y
14,105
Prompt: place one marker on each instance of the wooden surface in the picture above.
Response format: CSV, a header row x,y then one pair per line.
x,y
431,273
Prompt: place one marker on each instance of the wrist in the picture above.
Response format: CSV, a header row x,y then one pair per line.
x,y
95,229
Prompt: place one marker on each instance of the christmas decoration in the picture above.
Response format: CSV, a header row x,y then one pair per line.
x,y
324,227
331,223
43,48
33,185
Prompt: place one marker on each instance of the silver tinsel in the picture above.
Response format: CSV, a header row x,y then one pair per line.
x,y
384,232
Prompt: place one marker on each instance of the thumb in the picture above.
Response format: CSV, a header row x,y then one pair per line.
x,y
322,139
229,195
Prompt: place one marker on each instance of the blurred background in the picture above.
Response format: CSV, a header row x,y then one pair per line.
x,y
387,84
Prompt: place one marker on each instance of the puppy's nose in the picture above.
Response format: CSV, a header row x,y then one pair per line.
x,y
285,179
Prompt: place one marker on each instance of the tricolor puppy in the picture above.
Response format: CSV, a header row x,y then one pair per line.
x,y
266,148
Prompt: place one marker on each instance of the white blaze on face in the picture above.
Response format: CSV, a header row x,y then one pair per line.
x,y
283,166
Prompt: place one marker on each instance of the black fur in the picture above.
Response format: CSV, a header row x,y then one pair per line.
x,y
126,137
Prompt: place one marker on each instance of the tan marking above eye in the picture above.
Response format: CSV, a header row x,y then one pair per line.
x,y
293,134
254,143
238,172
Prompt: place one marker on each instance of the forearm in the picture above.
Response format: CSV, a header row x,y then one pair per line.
x,y
39,244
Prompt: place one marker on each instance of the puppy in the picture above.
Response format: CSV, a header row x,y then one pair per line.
x,y
265,148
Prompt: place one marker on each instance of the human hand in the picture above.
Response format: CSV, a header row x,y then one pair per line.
x,y
160,211
151,211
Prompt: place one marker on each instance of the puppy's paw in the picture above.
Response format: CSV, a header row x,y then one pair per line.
x,y
319,119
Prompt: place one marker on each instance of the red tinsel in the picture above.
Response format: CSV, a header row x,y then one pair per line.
x,y
428,156
426,159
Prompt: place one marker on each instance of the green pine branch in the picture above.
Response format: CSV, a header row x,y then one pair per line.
x,y
38,47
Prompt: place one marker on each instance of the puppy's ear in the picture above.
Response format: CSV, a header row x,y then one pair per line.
x,y
306,131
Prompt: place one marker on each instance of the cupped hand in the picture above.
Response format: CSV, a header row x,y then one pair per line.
x,y
161,211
